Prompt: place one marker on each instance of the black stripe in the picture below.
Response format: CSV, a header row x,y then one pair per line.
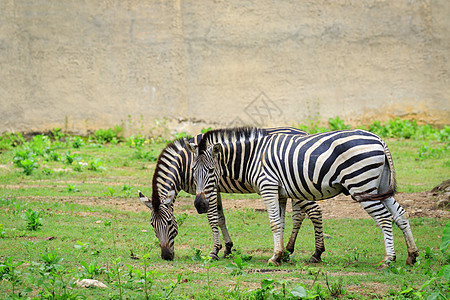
x,y
361,183
352,161
360,171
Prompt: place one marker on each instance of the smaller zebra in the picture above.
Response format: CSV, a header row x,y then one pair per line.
x,y
312,168
173,173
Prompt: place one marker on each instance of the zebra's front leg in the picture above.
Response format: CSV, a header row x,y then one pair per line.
x,y
297,219
270,198
314,213
213,223
223,227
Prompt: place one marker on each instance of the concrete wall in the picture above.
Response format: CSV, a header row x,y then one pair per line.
x,y
84,65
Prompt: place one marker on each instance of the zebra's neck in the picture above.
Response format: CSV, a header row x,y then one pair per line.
x,y
172,170
239,149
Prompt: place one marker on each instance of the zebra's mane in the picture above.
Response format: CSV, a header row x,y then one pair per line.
x,y
229,135
172,148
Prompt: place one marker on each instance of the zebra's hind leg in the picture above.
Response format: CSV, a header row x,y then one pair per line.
x,y
223,228
384,220
213,223
399,215
298,215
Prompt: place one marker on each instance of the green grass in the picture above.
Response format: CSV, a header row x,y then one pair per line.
x,y
77,205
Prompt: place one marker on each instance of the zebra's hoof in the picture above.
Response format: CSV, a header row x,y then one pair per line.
x,y
290,249
411,260
214,256
315,260
382,266
274,262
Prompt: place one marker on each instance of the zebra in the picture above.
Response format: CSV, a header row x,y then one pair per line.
x,y
313,167
173,173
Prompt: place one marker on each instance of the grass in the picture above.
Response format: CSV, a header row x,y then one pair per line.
x,y
91,237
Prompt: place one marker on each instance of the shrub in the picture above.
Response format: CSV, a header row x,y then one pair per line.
x,y
110,135
33,219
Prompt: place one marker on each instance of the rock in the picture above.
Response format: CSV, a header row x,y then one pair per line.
x,y
90,283
442,187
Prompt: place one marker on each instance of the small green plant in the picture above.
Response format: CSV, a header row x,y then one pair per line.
x,y
72,188
81,246
70,158
33,219
110,192
51,259
207,265
427,152
2,232
136,141
96,165
109,135
9,271
29,165
127,189
92,270
77,142
180,135
181,218
205,130
10,140
57,134
337,124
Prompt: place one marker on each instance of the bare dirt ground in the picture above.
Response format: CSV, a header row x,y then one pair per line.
x,y
424,204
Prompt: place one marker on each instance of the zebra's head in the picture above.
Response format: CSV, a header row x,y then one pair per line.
x,y
164,223
206,174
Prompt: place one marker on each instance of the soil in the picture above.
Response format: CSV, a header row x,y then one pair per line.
x,y
425,204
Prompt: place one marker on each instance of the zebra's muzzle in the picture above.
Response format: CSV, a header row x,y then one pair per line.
x,y
166,254
201,204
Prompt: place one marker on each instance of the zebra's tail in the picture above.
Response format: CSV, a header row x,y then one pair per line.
x,y
392,182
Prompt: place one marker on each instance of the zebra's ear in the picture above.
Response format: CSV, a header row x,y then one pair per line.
x,y
169,198
191,146
217,148
145,200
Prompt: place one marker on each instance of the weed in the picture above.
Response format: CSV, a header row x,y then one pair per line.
x,y
136,141
110,135
10,140
337,124
180,219
77,142
205,130
72,188
91,270
9,272
207,265
2,232
96,165
181,135
426,151
33,219
57,134
110,192
127,190
29,165
81,246
70,158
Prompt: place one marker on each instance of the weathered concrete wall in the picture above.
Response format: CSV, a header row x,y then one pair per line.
x,y
83,65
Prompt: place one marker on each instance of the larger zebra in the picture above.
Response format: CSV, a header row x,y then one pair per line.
x,y
173,173
314,167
